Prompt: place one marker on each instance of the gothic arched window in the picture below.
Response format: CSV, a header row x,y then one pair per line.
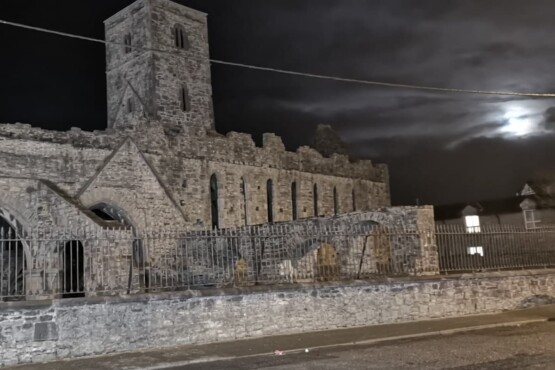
x,y
180,37
129,104
214,201
335,202
315,195
127,43
270,199
184,99
13,264
244,194
73,270
294,200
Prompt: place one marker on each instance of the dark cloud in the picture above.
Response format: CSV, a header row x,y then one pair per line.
x,y
550,118
470,171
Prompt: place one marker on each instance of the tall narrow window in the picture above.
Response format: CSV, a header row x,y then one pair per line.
x,y
180,37
214,201
315,196
127,43
270,200
353,199
335,202
294,200
244,195
184,99
129,105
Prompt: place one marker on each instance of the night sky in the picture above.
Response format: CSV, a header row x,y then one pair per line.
x,y
440,147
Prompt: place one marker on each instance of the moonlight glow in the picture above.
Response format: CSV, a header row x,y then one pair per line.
x,y
518,123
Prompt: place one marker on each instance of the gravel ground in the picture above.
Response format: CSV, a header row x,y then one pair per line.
x,y
525,347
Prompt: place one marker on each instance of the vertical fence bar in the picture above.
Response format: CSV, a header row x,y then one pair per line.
x,y
2,262
10,261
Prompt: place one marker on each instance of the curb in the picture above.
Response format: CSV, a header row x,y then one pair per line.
x,y
359,343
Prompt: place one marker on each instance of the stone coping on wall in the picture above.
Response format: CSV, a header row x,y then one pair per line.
x,y
261,289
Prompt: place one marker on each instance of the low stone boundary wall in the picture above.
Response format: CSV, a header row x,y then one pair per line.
x,y
62,329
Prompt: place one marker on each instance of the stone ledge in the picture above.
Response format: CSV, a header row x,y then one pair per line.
x,y
262,289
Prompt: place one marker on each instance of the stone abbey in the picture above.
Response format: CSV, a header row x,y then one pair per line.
x,y
160,201
160,162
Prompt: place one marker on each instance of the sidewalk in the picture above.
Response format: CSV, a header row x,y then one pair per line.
x,y
159,359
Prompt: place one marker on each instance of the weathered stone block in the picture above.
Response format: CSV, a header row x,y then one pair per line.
x,y
46,331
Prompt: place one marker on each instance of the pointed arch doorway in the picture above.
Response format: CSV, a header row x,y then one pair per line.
x,y
14,257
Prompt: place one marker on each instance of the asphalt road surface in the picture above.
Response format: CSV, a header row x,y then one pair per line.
x,y
525,347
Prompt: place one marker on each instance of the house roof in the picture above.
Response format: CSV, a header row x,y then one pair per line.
x,y
540,190
449,211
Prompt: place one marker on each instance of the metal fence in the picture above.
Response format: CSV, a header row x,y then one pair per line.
x,y
494,247
114,261
76,263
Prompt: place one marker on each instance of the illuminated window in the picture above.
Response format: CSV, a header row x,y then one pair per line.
x,y
472,224
473,251
531,219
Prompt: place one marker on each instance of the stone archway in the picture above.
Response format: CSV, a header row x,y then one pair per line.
x,y
381,250
109,212
327,267
73,269
15,253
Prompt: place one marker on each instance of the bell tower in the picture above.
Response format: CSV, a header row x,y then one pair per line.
x,y
158,66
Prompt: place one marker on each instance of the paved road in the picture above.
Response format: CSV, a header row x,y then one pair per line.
x,y
526,347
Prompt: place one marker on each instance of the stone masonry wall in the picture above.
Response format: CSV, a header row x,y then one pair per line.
x,y
384,242
59,161
129,73
147,83
183,165
189,67
62,329
39,209
147,73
